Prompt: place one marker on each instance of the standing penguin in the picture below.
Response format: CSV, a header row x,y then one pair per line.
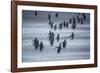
x,y
52,39
56,15
51,25
73,26
55,27
74,23
70,20
74,20
49,16
81,21
35,13
84,16
78,19
66,25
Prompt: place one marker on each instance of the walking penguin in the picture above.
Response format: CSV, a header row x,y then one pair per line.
x,y
35,43
58,37
64,43
59,48
72,36
41,47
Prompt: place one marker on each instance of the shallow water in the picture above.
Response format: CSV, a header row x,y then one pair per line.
x,y
37,26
